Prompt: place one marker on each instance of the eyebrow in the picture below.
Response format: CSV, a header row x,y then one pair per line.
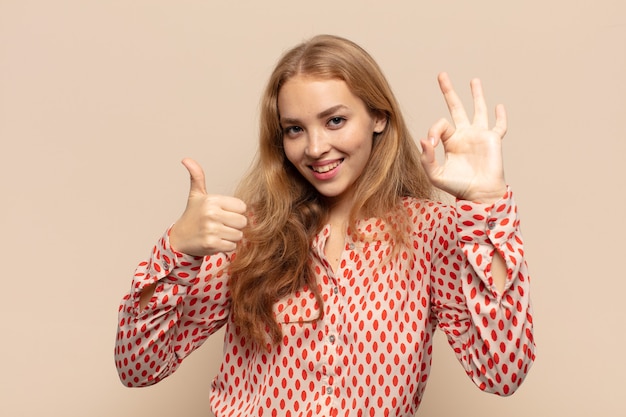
x,y
320,115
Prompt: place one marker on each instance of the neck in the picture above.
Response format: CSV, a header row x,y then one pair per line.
x,y
340,208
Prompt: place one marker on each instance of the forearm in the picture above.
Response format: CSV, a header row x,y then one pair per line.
x,y
498,272
146,295
146,344
158,321
490,238
492,333
503,346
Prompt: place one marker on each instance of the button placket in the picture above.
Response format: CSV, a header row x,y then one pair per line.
x,y
330,348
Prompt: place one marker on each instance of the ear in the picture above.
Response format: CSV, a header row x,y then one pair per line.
x,y
380,121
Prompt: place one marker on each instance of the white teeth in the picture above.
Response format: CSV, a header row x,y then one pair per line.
x,y
326,168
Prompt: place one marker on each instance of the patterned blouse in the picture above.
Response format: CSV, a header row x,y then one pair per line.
x,y
370,352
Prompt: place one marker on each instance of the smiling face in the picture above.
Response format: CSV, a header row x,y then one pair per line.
x,y
327,133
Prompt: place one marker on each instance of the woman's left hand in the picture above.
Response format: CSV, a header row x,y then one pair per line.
x,y
473,168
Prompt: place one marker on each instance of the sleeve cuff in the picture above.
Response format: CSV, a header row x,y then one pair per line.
x,y
166,263
487,223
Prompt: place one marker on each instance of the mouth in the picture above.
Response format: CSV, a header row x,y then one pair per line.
x,y
322,169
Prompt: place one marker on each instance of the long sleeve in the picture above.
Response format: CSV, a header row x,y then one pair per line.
x,y
190,302
490,333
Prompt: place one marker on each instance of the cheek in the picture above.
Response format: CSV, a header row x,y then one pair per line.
x,y
291,152
364,145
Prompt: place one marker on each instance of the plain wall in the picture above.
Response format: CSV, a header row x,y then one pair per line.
x,y
100,100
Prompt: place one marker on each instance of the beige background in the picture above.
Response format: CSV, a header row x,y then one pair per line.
x,y
100,100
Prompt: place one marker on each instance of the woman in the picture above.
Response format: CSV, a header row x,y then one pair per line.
x,y
333,275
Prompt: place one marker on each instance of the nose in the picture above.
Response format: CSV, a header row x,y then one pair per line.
x,y
317,144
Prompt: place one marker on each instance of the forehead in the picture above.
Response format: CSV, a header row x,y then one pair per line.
x,y
305,94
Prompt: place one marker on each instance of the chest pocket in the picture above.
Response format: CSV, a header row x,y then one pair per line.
x,y
300,307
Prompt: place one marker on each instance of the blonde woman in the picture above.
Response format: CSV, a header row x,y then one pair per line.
x,y
334,265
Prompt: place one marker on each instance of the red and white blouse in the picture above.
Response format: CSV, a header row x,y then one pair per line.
x,y
370,353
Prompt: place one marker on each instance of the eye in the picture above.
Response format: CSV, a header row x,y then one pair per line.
x,y
336,122
292,131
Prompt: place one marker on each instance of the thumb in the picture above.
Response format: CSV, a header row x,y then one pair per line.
x,y
196,176
428,158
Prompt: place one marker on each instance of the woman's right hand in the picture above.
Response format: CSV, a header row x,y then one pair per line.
x,y
210,223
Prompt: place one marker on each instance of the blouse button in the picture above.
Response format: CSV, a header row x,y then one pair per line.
x,y
351,246
491,225
329,390
332,338
336,290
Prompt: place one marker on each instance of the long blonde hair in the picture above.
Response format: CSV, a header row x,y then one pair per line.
x,y
287,211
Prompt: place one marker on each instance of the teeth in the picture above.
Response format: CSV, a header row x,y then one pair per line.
x,y
326,168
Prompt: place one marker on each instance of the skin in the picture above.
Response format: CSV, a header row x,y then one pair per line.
x,y
326,126
472,168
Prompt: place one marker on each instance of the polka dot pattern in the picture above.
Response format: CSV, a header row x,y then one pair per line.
x,y
370,353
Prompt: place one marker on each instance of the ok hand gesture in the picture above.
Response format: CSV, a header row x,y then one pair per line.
x,y
473,168
210,223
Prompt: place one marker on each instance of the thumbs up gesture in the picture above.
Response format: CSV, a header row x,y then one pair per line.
x,y
210,223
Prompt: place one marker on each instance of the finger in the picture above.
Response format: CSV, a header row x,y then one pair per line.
x,y
232,235
232,204
501,123
228,211
225,238
227,246
233,220
428,158
455,106
197,183
481,118
221,244
442,129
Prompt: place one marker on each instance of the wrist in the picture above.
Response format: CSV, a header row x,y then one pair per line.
x,y
487,197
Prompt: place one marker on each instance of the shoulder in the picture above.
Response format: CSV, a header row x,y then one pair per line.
x,y
411,216
426,214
